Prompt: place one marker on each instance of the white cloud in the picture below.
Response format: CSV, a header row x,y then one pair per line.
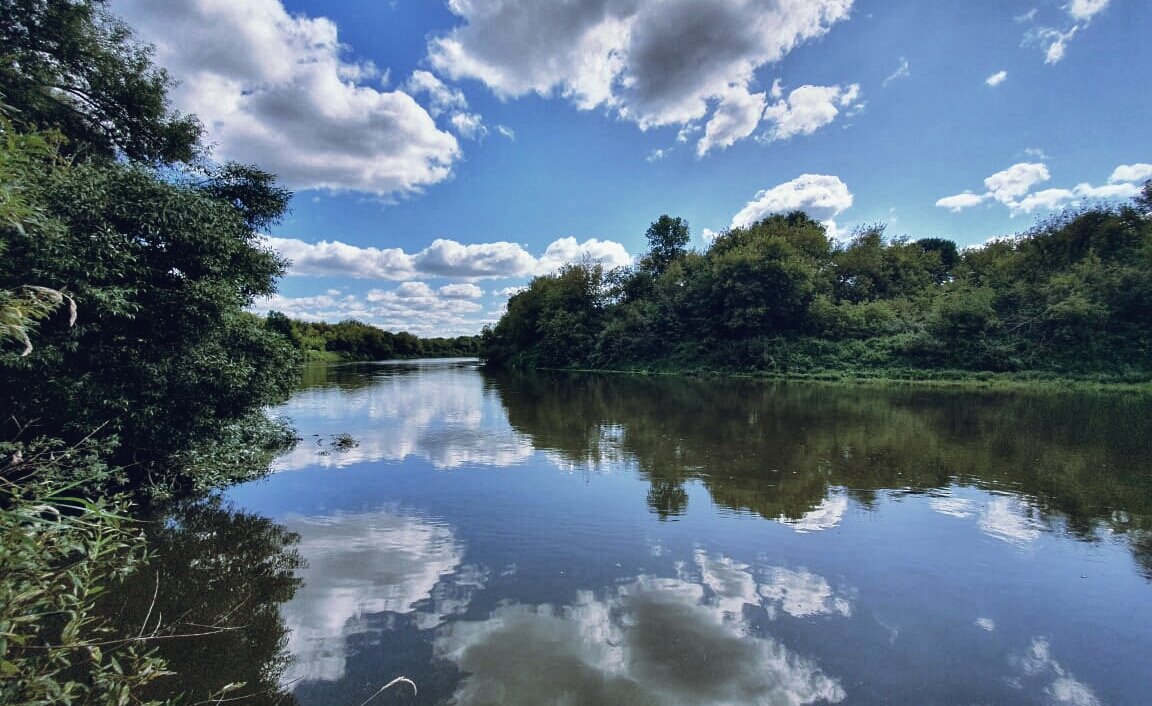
x,y
1015,181
340,259
1035,153
1046,199
469,125
441,97
735,118
443,258
565,250
506,131
900,72
274,89
448,258
1013,187
447,100
821,196
463,290
1131,172
809,108
1054,41
1107,191
959,202
654,62
1085,10
997,78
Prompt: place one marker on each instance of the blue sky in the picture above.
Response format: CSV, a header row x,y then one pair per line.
x,y
445,151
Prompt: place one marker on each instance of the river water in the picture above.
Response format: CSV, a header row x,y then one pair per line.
x,y
581,539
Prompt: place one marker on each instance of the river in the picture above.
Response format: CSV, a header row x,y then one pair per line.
x,y
583,539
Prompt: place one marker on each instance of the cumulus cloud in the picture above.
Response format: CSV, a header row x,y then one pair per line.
x,y
342,260
465,290
997,78
443,258
809,108
1013,187
821,196
1007,185
448,258
654,62
274,88
735,118
1131,172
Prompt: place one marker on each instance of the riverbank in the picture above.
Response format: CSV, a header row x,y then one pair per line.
x,y
944,378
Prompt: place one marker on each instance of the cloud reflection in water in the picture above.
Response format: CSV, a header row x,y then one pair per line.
x,y
648,641
358,564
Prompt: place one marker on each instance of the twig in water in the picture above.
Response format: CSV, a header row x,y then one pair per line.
x,y
394,682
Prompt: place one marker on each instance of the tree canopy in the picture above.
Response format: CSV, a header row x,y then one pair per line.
x,y
70,66
1071,296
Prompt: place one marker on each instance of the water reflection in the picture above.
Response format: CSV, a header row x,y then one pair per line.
x,y
798,453
622,540
439,411
649,641
384,561
210,598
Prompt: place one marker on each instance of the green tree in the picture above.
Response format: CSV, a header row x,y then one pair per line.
x,y
70,65
668,240
163,355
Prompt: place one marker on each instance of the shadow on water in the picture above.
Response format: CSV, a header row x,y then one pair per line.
x,y
210,600
779,450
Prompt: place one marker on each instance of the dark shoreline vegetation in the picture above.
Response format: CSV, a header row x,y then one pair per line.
x,y
1068,301
134,378
353,340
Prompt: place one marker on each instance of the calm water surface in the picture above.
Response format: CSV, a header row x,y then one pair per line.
x,y
612,540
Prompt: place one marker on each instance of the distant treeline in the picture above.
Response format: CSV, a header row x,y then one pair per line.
x,y
355,340
1070,297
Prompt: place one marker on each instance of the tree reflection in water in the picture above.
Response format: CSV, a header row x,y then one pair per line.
x,y
211,596
788,452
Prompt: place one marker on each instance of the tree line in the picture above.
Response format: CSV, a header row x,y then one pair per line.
x,y
355,340
1072,296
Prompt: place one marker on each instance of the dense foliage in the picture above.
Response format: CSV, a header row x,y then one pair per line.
x,y
355,340
1072,296
70,65
128,361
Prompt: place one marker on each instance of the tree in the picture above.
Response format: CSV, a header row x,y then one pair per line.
x,y
667,242
163,356
70,66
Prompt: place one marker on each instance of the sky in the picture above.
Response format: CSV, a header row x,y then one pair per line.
x,y
444,152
